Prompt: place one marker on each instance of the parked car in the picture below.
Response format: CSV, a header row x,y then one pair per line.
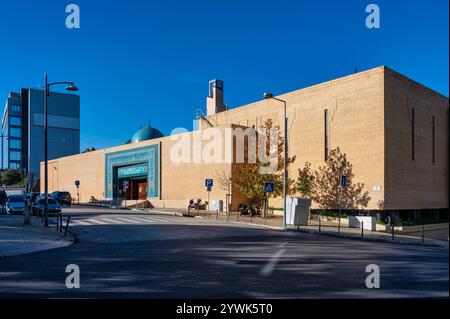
x,y
15,204
39,205
62,197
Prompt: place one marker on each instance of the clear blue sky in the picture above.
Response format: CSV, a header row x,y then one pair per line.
x,y
138,60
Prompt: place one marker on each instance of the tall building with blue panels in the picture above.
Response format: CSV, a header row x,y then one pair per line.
x,y
12,135
23,129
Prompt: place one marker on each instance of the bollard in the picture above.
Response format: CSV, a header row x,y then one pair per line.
x,y
61,222
339,225
392,230
362,230
319,224
251,216
423,234
217,214
67,226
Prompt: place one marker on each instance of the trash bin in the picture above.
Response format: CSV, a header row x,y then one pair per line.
x,y
217,205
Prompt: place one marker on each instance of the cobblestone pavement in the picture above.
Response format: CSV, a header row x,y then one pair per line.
x,y
17,238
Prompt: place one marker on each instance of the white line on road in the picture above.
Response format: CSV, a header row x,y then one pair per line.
x,y
270,267
144,220
111,221
79,222
95,221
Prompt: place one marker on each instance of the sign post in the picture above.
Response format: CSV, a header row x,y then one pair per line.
x,y
77,184
209,184
268,188
343,183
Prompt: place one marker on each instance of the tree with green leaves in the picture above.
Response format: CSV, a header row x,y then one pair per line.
x,y
12,177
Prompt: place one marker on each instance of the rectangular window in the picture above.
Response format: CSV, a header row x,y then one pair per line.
x,y
412,135
434,140
15,143
16,108
13,165
14,156
15,132
327,134
14,120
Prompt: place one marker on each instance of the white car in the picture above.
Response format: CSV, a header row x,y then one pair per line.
x,y
15,204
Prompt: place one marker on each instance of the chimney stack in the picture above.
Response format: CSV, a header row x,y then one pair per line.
x,y
214,102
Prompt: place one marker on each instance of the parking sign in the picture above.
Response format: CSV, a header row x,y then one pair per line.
x,y
209,182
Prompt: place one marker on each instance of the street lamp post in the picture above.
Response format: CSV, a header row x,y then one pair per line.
x,y
70,86
269,96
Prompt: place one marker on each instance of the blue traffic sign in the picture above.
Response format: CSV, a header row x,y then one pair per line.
x,y
268,187
209,182
343,180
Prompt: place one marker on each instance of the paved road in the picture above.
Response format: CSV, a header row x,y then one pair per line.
x,y
126,254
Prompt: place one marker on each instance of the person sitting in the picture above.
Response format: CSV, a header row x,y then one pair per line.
x,y
192,205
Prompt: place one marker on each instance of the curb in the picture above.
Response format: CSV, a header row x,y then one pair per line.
x,y
368,239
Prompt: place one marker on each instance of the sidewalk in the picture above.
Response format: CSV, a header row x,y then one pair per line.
x,y
17,238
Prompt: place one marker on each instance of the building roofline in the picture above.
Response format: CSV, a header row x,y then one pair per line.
x,y
394,73
380,69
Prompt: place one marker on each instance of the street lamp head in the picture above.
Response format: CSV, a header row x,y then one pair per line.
x,y
72,87
268,95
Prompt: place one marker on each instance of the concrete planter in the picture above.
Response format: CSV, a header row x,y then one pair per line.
x,y
368,222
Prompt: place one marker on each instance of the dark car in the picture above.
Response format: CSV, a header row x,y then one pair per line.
x,y
63,198
53,206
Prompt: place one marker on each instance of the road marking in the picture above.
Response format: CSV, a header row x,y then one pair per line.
x,y
120,220
144,220
95,221
270,267
128,220
111,221
79,222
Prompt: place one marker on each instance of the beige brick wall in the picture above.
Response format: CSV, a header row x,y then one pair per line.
x,y
419,183
355,105
88,168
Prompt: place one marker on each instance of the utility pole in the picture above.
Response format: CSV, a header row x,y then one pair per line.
x,y
70,87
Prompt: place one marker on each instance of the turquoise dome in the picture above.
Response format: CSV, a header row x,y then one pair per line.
x,y
146,133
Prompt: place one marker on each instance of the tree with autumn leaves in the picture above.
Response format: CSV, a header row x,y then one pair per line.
x,y
322,185
248,177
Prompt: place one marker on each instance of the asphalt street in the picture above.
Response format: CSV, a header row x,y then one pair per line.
x,y
127,254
